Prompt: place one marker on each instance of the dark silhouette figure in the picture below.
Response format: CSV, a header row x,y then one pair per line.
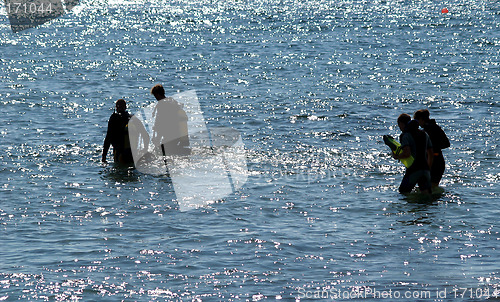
x,y
117,135
439,142
416,143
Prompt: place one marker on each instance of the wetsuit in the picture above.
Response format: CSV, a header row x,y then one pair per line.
x,y
439,141
117,136
419,171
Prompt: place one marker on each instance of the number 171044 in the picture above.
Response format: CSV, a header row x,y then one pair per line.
x,y
28,8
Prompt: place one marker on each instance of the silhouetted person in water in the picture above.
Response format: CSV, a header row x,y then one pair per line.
x,y
117,135
439,141
170,129
416,143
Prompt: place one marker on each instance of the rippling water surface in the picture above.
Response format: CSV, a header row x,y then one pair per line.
x,y
312,86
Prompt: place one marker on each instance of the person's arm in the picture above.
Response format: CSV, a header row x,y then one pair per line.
x,y
405,147
406,152
105,151
107,142
105,148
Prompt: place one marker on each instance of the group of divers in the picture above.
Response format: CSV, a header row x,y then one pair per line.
x,y
424,146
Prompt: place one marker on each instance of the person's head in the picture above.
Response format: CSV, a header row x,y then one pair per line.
x,y
403,119
158,91
121,106
422,116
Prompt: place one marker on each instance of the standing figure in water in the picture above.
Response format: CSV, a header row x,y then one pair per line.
x,y
117,135
416,143
439,142
170,130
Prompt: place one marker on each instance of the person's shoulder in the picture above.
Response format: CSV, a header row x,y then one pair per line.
x,y
114,116
118,118
405,138
165,101
170,102
432,125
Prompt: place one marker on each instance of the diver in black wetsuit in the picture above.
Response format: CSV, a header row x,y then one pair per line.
x,y
439,142
416,143
117,135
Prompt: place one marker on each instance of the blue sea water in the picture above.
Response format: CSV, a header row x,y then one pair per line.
x,y
311,86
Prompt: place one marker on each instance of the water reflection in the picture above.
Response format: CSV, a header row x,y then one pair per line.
x,y
120,173
422,208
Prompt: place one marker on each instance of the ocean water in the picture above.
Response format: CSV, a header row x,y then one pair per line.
x,y
311,86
